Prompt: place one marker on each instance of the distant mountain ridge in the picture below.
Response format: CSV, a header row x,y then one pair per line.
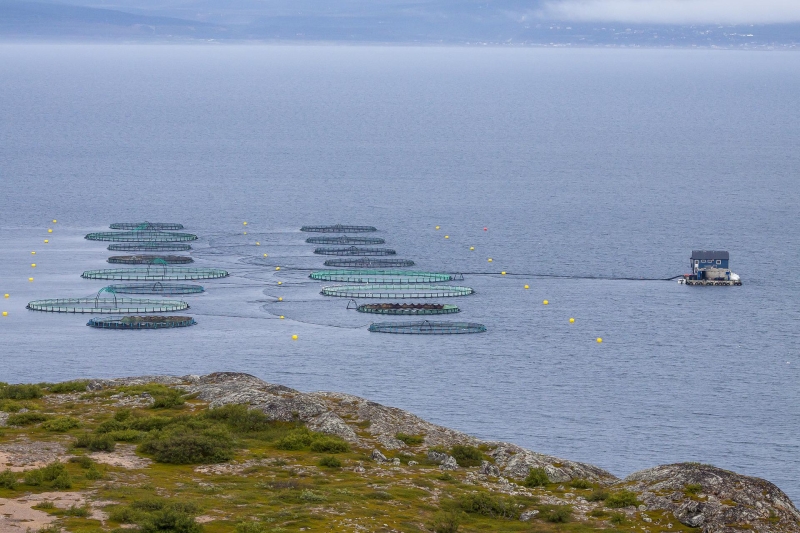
x,y
506,22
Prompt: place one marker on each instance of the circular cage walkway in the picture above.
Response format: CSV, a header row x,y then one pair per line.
x,y
408,309
157,226
163,289
155,273
106,305
141,236
148,259
394,291
339,228
149,247
354,250
427,327
344,239
380,276
142,322
369,263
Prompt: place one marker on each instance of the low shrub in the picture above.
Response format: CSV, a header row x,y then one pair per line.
x,y
330,461
20,392
53,470
83,460
168,399
10,406
557,514
297,439
466,455
47,504
26,419
580,484
329,445
485,504
446,522
8,480
80,512
95,443
69,386
410,440
185,445
379,495
34,478
693,488
537,477
156,515
623,498
598,495
240,419
311,496
251,526
63,481
126,435
61,424
93,473
598,513
618,519
171,520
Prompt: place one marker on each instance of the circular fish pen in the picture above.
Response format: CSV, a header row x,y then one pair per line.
x,y
427,327
355,250
339,228
157,226
369,263
140,236
344,239
149,247
163,289
396,291
106,305
155,273
148,259
408,309
380,276
142,322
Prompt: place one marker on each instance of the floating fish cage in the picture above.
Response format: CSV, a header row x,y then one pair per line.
x,y
408,309
380,276
396,291
344,239
369,263
149,247
339,228
164,289
142,322
106,305
155,273
354,250
156,226
426,327
141,236
150,259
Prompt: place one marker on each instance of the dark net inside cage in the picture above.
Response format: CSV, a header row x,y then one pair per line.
x,y
158,287
142,322
149,247
339,228
355,250
427,327
148,259
369,263
345,239
147,225
408,309
140,236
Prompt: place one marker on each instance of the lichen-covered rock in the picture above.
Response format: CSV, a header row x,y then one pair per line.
x,y
378,457
488,469
716,500
449,464
437,457
330,423
516,462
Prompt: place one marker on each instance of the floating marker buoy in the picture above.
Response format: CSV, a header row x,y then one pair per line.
x,y
33,265
527,287
503,273
33,253
265,255
294,337
437,227
280,283
258,243
280,298
571,320
281,317
5,295
277,268
54,221
30,279
490,259
447,236
245,233
49,230
472,248
46,241
485,229
244,223
599,339
5,313
545,302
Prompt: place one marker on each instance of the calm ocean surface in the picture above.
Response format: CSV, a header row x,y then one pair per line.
x,y
578,162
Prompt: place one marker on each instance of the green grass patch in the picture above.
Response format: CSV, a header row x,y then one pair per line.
x,y
20,392
410,440
61,424
26,419
467,455
557,514
68,386
622,498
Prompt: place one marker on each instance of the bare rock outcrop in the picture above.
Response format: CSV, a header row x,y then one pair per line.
x,y
716,500
516,462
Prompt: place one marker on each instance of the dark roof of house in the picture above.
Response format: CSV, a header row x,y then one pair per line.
x,y
710,254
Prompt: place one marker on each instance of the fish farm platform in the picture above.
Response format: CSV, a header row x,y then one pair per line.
x,y
703,282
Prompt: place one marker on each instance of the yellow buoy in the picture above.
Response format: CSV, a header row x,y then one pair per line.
x,y
5,295
503,273
5,313
437,227
244,223
265,255
571,320
294,337
30,279
54,221
599,339
280,298
472,248
280,283
545,302
527,287
46,241
281,317
245,233
258,243
277,268
49,230
490,259
33,265
33,253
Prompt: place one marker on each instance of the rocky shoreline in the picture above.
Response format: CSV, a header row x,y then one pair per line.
x,y
718,501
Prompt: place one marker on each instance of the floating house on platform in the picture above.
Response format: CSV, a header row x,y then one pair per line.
x,y
710,267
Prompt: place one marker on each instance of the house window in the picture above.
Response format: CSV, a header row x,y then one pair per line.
x,y
719,261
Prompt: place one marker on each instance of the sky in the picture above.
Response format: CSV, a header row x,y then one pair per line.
x,y
675,11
